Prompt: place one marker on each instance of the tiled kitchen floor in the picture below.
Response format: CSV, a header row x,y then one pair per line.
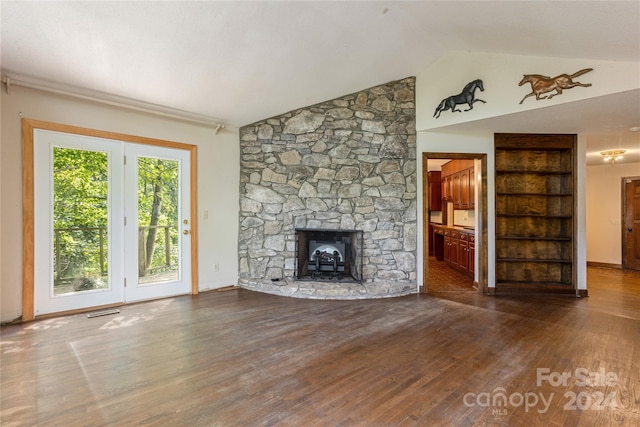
x,y
444,278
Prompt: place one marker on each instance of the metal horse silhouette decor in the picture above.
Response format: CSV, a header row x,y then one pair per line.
x,y
543,84
467,96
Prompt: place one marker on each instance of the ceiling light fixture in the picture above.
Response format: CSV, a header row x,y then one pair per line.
x,y
612,155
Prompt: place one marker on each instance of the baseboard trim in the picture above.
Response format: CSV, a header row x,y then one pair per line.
x,y
603,265
79,311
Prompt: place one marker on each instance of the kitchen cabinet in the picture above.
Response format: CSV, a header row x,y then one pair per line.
x,y
467,252
463,252
458,184
447,246
472,254
462,189
431,240
438,242
456,247
457,191
447,189
435,191
453,249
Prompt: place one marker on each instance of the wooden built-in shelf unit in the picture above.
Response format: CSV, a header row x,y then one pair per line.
x,y
535,227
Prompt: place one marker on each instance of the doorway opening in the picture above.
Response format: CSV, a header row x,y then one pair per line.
x,y
454,212
107,219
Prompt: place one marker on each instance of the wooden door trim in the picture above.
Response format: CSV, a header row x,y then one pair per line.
x,y
28,198
482,240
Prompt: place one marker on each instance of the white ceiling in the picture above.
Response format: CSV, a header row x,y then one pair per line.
x,y
240,62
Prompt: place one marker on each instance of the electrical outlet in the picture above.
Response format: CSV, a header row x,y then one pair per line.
x,y
216,268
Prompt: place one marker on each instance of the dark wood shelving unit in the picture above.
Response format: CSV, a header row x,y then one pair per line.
x,y
535,183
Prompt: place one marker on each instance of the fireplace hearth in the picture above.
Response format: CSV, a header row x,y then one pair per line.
x,y
329,255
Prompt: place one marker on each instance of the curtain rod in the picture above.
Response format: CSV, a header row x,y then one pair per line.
x,y
117,101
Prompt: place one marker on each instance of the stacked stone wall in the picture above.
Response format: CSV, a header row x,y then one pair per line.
x,y
348,163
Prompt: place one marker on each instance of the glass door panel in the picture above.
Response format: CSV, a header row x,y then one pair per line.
x,y
80,215
158,227
158,208
77,229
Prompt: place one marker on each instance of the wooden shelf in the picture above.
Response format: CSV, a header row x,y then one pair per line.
x,y
520,194
524,215
555,261
519,283
544,238
534,212
532,172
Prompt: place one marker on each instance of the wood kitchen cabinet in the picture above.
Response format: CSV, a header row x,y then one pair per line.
x,y
472,254
432,240
467,252
447,246
456,247
447,189
463,252
461,188
458,184
457,190
453,249
438,242
435,191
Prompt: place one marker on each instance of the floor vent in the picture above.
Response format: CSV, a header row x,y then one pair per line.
x,y
103,313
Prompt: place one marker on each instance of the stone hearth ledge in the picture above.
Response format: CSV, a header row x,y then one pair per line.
x,y
312,289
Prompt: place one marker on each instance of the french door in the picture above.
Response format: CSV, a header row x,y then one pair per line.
x,y
111,221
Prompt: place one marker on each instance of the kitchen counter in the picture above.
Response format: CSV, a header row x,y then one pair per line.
x,y
453,227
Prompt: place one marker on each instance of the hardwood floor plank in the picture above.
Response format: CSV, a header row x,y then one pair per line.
x,y
244,358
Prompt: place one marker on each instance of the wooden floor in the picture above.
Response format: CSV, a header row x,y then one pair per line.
x,y
241,358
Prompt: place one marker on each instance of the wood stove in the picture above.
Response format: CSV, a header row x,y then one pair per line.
x,y
329,255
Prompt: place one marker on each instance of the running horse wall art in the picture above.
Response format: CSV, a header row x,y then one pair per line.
x,y
467,96
543,84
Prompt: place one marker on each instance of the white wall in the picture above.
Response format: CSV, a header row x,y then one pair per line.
x,y
604,211
501,75
218,177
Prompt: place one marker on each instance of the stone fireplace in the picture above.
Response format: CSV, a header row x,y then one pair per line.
x,y
345,166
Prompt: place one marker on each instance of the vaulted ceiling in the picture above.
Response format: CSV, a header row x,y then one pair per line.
x,y
239,62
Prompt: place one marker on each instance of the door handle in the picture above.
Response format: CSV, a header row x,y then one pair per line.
x,y
186,231
629,229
